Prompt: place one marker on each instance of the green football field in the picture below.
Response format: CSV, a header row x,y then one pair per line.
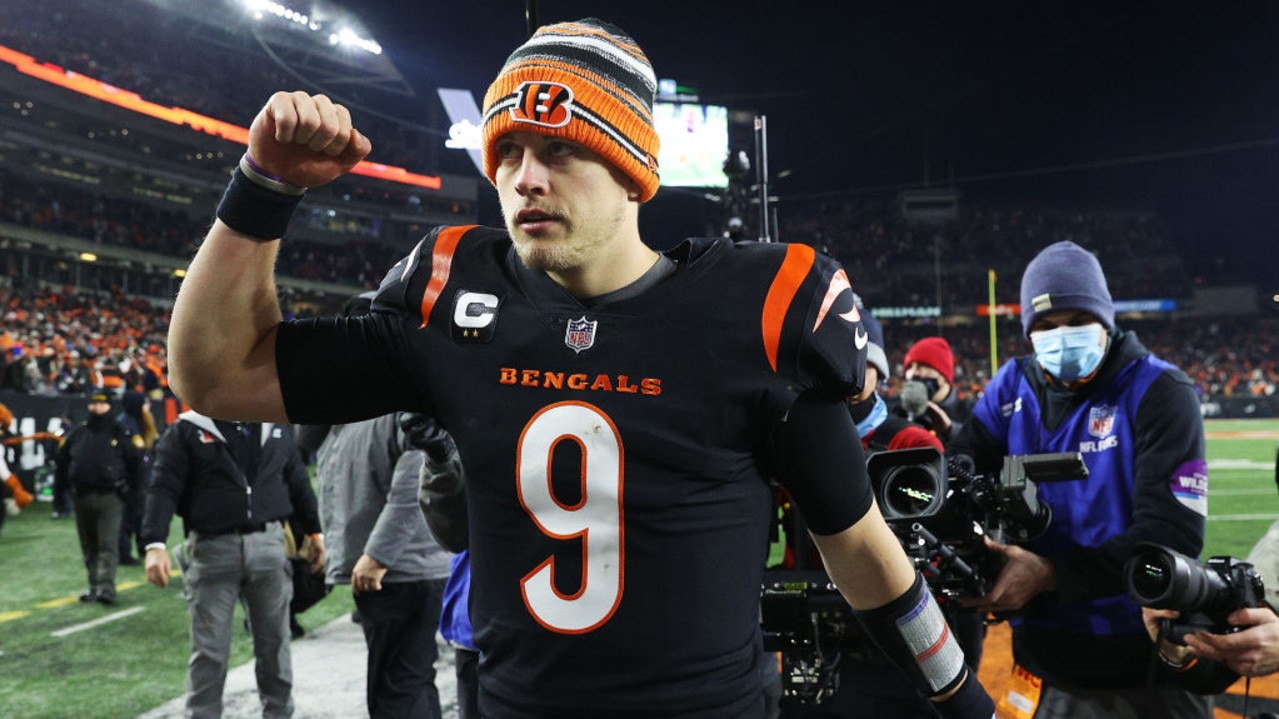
x,y
1242,497
60,659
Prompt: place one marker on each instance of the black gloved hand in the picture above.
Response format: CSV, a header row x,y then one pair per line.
x,y
421,431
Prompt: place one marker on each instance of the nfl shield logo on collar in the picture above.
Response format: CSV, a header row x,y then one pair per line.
x,y
580,334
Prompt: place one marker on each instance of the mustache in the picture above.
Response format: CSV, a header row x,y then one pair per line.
x,y
539,212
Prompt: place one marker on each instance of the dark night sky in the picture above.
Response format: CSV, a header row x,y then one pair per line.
x,y
1166,106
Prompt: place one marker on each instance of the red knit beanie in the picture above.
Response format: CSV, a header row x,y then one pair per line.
x,y
934,352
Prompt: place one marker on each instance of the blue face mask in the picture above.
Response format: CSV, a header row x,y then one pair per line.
x,y
1069,353
874,417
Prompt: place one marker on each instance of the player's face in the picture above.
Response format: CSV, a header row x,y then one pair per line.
x,y
561,201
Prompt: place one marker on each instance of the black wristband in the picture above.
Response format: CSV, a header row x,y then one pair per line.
x,y
970,702
253,210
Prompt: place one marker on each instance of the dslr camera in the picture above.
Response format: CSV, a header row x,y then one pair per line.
x,y
1204,593
941,511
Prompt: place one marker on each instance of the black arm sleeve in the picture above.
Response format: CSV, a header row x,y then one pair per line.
x,y
361,351
820,460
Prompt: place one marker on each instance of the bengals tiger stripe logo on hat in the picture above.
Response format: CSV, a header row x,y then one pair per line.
x,y
583,81
548,104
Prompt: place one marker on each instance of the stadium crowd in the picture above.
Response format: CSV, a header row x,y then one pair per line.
x,y
56,340
1225,356
62,341
75,212
869,235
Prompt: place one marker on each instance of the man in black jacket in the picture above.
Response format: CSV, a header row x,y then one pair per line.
x,y
233,484
99,462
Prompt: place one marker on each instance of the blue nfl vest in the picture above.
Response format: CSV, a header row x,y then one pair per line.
x,y
1085,512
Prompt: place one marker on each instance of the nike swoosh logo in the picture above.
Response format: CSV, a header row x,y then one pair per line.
x,y
838,284
860,338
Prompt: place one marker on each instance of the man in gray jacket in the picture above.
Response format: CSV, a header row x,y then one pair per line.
x,y
379,543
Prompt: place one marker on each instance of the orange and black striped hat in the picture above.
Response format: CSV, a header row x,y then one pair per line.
x,y
584,81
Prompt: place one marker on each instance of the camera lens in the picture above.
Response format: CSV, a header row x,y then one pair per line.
x,y
910,491
1150,577
1164,579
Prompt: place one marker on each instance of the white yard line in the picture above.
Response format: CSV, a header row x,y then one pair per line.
x,y
1239,464
100,620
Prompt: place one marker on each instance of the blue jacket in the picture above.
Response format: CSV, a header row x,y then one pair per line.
x,y
1139,429
455,618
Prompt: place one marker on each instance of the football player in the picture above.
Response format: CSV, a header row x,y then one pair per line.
x,y
617,409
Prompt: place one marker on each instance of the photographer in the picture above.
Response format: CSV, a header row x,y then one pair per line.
x,y
1090,388
1251,652
929,397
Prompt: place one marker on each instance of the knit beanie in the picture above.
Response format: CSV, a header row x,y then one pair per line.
x,y
1065,276
934,352
585,81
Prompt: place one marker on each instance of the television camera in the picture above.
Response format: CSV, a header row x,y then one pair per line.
x,y
941,510
1204,593
807,621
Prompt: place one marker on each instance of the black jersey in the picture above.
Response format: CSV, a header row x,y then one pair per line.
x,y
616,454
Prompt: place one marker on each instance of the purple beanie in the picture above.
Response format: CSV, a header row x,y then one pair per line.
x,y
1065,276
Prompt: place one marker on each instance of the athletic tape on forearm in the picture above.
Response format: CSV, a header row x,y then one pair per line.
x,y
251,209
913,633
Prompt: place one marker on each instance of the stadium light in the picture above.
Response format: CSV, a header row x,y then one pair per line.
x,y
348,38
262,8
344,37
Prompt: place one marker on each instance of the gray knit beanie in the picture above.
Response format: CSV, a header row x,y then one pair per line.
x,y
1065,276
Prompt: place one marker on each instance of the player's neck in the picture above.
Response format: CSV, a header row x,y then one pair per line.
x,y
613,268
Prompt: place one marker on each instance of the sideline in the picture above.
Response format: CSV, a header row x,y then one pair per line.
x,y
329,666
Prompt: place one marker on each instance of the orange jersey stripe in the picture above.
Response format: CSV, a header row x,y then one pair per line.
x,y
441,265
799,260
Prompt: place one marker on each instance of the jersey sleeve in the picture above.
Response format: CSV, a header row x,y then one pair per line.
x,y
811,311
365,364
